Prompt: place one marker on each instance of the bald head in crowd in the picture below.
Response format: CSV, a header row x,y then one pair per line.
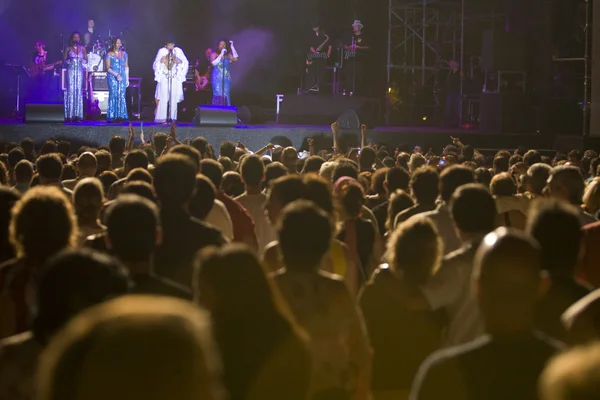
x,y
507,279
87,164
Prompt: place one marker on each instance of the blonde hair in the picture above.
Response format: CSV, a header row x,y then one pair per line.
x,y
43,223
416,249
591,196
133,347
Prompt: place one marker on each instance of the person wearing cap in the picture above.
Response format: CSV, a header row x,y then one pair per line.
x,y
170,70
353,65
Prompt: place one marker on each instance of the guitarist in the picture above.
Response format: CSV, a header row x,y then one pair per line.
x,y
318,42
202,73
39,73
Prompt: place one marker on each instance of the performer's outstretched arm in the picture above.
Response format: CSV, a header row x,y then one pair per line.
x,y
234,54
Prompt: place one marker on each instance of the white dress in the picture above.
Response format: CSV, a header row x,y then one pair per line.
x,y
161,76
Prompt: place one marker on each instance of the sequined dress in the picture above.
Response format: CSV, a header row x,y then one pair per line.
x,y
221,86
117,106
74,84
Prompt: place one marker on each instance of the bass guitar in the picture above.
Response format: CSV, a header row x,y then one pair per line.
x,y
38,69
202,81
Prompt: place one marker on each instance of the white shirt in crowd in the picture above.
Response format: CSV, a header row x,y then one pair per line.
x,y
220,218
254,203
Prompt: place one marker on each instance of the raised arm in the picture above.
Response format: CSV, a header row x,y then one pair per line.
x,y
234,55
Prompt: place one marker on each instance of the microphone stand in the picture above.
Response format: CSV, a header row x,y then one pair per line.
x,y
223,99
170,86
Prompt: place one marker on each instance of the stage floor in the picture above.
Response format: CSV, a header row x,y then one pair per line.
x,y
97,133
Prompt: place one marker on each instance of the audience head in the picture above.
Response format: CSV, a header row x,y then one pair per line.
x,y
117,145
473,210
366,158
452,178
189,151
107,178
160,142
378,182
312,165
399,201
28,147
572,375
305,232
43,223
88,198
72,281
282,192
139,188
556,227
503,185
232,184
416,250
201,144
174,180
49,168
213,170
349,196
483,176
501,164
416,161
318,190
135,159
274,171
345,168
537,176
203,199
327,169
591,196
87,164
397,178
227,149
253,171
4,175
133,347
104,160
507,280
8,198
566,183
133,228
14,156
289,157
424,184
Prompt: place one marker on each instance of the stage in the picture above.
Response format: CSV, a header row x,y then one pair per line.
x,y
97,133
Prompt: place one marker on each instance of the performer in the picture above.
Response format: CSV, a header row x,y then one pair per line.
x,y
224,55
170,70
318,43
88,36
354,58
74,57
203,72
117,66
452,90
39,73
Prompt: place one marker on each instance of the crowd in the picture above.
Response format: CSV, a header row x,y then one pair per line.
x,y
154,269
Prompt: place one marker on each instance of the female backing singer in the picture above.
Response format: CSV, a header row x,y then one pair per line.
x,y
117,66
221,58
75,56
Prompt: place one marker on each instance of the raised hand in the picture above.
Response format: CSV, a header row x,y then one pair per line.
x,y
335,127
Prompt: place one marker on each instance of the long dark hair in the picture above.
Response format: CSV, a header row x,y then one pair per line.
x,y
113,44
227,45
73,36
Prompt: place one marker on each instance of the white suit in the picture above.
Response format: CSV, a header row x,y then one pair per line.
x,y
161,76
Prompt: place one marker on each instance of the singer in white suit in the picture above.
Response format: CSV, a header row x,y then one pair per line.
x,y
170,70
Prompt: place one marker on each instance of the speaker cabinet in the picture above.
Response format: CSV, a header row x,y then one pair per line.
x,y
215,116
44,112
101,97
503,113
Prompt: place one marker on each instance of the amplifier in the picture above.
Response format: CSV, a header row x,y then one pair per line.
x,y
101,96
98,81
134,99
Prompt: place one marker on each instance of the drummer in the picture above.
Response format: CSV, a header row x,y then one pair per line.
x,y
89,38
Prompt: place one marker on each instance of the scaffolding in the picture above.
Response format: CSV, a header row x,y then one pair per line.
x,y
423,35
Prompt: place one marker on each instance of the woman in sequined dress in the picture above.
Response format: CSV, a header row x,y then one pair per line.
x,y
117,66
75,56
221,58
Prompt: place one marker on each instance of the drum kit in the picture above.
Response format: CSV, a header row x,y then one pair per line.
x,y
99,48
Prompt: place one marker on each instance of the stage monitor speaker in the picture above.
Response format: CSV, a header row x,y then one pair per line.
x,y
252,114
44,112
215,116
350,111
503,113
